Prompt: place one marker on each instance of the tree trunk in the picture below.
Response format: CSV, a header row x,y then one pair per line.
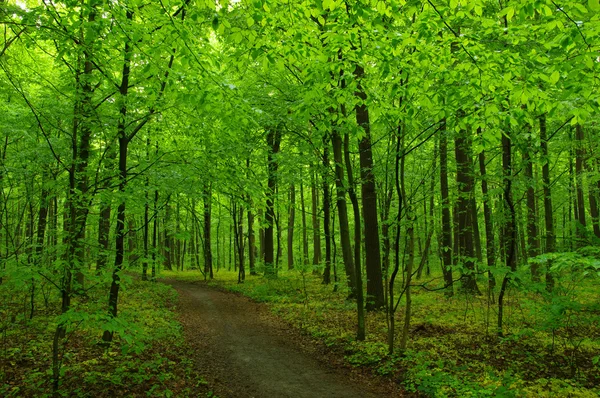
x,y
336,141
290,227
208,258
548,211
490,247
113,296
304,227
509,230
464,206
316,261
446,249
375,295
274,142
581,231
146,217
360,306
326,214
533,240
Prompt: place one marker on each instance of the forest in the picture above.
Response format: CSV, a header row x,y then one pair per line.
x,y
410,187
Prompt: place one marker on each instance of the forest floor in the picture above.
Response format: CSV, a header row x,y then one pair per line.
x,y
243,350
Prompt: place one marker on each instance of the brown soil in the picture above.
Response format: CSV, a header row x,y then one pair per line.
x,y
243,350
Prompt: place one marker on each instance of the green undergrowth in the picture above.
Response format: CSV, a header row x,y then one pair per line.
x,y
550,348
147,358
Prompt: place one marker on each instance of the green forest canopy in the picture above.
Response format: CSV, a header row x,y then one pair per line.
x,y
367,141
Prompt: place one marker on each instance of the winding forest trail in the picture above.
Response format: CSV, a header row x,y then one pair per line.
x,y
244,351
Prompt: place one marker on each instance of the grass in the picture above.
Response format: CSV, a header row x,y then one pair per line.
x,y
147,358
550,348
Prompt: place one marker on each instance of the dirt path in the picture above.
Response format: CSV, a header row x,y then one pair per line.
x,y
245,351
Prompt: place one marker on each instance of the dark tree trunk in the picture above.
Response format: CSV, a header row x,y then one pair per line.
x,y
146,217
360,306
336,141
154,231
208,260
304,227
238,230
261,236
290,227
548,211
274,142
581,231
464,205
446,220
375,294
168,240
490,246
533,240
326,214
510,227
115,285
251,242
316,224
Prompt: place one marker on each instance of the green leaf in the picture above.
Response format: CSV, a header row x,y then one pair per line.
x,y
594,5
554,77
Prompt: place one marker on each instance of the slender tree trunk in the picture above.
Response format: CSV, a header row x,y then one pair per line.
x,y
113,296
533,240
316,225
464,206
490,247
446,220
548,211
336,141
290,227
581,231
78,188
238,217
208,257
146,217
509,230
392,303
40,234
326,215
251,240
375,295
154,231
304,227
360,306
274,142
408,268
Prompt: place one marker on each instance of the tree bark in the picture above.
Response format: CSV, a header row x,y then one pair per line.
x,y
464,206
490,246
510,228
316,225
446,249
336,141
360,306
290,227
581,231
274,142
304,227
208,257
375,295
533,240
326,214
548,211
